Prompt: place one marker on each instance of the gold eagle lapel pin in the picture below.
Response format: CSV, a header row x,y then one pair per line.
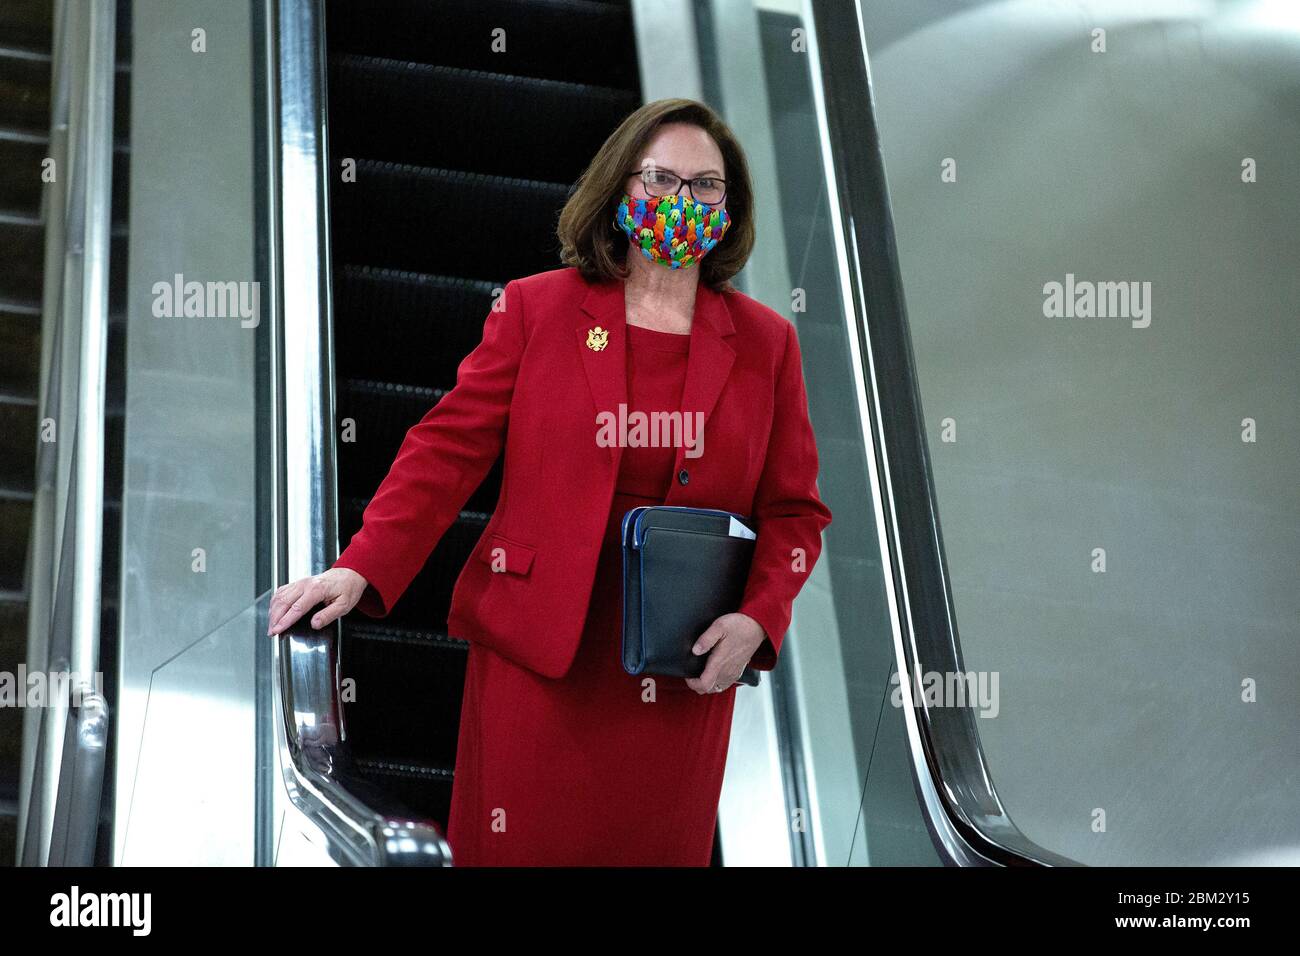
x,y
597,338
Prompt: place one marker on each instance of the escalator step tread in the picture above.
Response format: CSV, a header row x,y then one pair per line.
x,y
20,352
390,388
19,424
420,637
386,216
28,309
425,603
363,386
21,155
381,414
407,326
24,88
409,768
466,517
469,119
354,272
8,839
13,650
437,176
22,237
492,81
27,23
542,38
388,677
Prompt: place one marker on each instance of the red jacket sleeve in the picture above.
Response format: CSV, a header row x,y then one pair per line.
x,y
789,514
443,459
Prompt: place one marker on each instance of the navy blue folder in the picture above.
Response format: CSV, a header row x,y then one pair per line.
x,y
682,569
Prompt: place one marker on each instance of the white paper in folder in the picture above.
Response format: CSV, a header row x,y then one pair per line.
x,y
738,530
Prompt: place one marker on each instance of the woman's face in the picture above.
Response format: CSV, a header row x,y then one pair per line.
x,y
683,149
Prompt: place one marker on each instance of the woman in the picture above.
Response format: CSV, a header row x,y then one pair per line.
x,y
563,758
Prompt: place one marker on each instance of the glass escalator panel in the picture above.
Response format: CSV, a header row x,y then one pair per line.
x,y
192,798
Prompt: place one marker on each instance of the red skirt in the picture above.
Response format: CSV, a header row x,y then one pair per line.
x,y
589,769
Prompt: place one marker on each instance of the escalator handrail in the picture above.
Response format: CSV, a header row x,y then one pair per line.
x,y
362,825
81,780
60,795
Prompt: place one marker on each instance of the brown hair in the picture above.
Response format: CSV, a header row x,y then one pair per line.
x,y
588,237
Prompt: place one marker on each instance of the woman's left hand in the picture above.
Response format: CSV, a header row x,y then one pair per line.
x,y
730,642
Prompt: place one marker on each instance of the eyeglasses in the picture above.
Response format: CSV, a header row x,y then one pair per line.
x,y
658,182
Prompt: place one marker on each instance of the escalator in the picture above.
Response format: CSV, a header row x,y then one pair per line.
x,y
25,37
456,130
43,234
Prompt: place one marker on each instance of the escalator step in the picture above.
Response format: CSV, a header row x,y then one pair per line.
x,y
446,222
23,240
25,79
27,23
406,326
406,768
8,838
388,407
373,418
426,601
15,529
13,649
367,630
18,436
20,351
465,119
21,155
24,89
424,789
381,414
408,687
575,40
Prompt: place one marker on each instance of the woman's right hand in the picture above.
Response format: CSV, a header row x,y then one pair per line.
x,y
339,589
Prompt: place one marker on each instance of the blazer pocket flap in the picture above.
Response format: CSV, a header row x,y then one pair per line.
x,y
503,555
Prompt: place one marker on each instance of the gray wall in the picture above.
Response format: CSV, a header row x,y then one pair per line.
x,y
1119,691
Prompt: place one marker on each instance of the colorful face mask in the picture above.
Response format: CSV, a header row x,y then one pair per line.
x,y
674,231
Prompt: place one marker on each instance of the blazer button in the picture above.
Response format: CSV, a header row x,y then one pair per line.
x,y
683,476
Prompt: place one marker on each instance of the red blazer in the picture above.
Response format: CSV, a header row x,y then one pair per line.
x,y
534,386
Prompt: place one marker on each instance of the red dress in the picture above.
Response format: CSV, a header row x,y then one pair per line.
x,y
584,770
